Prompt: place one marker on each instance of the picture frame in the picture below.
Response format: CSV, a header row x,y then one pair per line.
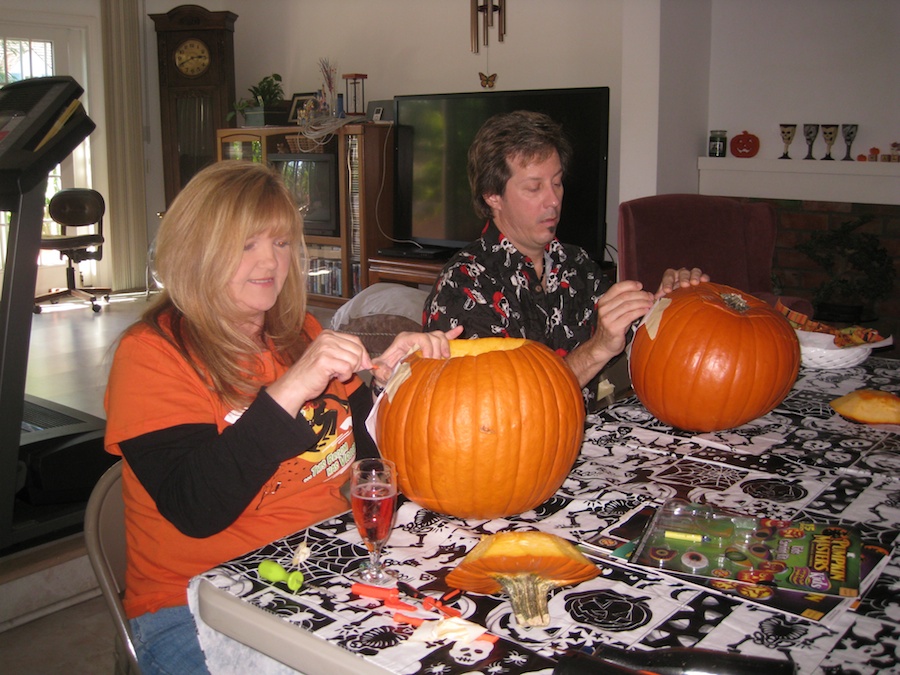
x,y
298,102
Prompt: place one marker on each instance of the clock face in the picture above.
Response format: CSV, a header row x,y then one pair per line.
x,y
192,57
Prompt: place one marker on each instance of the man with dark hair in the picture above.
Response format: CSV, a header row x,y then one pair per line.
x,y
518,279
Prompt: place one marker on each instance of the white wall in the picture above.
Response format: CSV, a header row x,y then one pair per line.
x,y
676,68
806,61
420,46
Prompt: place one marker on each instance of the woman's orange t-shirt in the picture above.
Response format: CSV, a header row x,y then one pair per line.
x,y
151,388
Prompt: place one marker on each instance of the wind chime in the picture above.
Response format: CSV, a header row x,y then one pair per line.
x,y
487,9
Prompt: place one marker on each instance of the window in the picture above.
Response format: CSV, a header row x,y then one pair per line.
x,y
23,59
28,51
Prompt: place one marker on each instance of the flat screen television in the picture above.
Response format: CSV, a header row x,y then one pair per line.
x,y
433,203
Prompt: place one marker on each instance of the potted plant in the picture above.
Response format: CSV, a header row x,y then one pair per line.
x,y
860,272
266,104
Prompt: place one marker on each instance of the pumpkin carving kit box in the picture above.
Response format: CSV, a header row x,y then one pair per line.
x,y
754,558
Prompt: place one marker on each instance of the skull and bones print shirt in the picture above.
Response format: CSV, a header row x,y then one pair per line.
x,y
492,290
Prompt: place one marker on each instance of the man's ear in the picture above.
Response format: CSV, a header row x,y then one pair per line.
x,y
492,200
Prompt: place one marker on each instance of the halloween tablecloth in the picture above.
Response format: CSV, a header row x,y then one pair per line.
x,y
800,462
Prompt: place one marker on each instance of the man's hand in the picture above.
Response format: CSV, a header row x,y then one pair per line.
x,y
681,278
623,304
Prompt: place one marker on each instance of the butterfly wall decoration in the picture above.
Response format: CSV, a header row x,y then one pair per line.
x,y
487,81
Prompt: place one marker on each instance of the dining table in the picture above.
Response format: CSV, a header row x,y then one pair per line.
x,y
799,463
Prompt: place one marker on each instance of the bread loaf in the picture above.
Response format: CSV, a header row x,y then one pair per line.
x,y
869,406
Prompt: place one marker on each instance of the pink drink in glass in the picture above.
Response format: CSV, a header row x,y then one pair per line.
x,y
373,510
373,498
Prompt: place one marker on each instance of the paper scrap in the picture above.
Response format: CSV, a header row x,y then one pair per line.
x,y
454,629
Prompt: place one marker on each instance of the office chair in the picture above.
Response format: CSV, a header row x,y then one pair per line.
x,y
732,241
75,208
104,536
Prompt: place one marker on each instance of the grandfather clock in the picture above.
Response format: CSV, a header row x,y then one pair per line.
x,y
196,88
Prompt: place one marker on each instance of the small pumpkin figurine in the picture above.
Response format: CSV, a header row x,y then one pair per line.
x,y
491,432
710,357
744,145
526,566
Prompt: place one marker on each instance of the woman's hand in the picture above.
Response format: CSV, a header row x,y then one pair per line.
x,y
680,278
331,356
435,344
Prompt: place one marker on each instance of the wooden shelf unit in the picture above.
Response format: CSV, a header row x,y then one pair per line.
x,y
404,271
365,172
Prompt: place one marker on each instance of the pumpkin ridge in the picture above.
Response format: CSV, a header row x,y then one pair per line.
x,y
666,365
429,428
423,427
491,408
459,467
557,438
734,371
548,433
764,368
518,423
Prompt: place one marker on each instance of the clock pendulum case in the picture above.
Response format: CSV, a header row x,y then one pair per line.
x,y
196,88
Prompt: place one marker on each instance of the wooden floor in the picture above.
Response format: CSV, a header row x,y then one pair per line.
x,y
72,347
71,350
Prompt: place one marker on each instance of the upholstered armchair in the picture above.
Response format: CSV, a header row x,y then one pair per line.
x,y
732,241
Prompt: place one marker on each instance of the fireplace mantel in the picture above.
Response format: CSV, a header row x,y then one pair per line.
x,y
813,180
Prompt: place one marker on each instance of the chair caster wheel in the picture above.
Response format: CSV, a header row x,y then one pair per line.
x,y
37,309
95,308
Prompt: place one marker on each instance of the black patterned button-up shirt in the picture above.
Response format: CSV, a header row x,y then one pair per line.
x,y
492,290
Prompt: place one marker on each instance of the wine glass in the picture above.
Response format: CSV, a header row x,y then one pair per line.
x,y
787,135
829,134
849,133
810,131
373,496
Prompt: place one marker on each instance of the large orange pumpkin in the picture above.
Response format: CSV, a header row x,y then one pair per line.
x,y
711,357
490,432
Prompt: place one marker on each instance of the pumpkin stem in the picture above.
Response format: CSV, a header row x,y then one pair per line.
x,y
528,595
735,302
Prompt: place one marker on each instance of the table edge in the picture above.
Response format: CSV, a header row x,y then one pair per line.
x,y
270,635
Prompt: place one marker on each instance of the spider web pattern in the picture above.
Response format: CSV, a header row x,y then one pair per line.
x,y
801,462
700,475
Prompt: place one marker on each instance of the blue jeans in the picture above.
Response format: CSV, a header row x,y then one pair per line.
x,y
166,643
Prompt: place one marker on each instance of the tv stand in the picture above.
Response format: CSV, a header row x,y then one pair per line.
x,y
417,252
407,271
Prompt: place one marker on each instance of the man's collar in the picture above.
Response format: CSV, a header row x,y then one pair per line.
x,y
493,236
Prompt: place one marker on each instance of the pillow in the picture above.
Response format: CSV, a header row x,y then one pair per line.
x,y
377,313
382,298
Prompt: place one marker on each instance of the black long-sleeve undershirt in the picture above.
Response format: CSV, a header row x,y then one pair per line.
x,y
202,480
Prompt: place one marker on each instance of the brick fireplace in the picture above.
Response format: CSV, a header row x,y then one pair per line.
x,y
798,219
818,196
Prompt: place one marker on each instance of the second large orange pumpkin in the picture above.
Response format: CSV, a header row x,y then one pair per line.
x,y
490,432
711,357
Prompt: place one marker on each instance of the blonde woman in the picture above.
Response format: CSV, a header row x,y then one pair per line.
x,y
233,409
